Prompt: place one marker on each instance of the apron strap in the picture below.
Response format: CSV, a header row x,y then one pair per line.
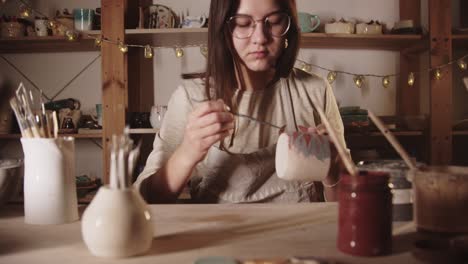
x,y
286,93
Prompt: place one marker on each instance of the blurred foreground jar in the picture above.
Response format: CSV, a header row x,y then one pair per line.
x,y
441,199
365,214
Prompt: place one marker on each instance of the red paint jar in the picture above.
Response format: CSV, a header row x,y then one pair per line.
x,y
365,214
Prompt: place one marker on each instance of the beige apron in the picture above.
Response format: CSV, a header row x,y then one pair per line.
x,y
246,178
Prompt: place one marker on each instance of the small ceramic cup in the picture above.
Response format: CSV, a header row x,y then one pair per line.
x,y
83,18
99,114
40,26
302,156
194,22
308,22
117,224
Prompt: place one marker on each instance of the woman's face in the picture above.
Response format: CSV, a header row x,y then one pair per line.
x,y
259,51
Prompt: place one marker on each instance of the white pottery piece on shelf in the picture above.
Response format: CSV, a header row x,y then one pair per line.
x,y
49,181
339,27
117,224
371,28
194,22
302,156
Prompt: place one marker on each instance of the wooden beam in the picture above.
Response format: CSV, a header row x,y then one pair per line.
x,y
140,74
464,13
440,26
140,82
114,75
408,97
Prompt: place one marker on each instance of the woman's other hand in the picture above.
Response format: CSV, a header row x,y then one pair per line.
x,y
208,123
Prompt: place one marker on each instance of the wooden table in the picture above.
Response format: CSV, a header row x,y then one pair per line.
x,y
184,233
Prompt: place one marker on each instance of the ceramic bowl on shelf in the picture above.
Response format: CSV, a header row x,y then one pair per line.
x,y
371,28
339,27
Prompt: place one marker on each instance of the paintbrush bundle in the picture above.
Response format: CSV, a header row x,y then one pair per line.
x,y
32,119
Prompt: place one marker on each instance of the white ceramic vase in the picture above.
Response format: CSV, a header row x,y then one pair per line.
x,y
117,224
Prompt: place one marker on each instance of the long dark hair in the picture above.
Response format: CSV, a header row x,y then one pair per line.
x,y
222,60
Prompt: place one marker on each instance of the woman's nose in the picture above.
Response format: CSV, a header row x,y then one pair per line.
x,y
259,35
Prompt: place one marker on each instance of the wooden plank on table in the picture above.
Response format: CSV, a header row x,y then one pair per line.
x,y
114,75
408,97
440,26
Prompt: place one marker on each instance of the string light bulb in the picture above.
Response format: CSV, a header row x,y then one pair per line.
x,y
358,80
52,24
122,47
411,79
438,74
25,11
179,52
204,51
148,52
306,67
98,41
462,64
71,35
386,81
331,77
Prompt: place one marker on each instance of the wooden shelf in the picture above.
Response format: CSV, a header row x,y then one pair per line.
x,y
198,36
167,37
47,44
76,136
363,41
460,133
143,131
460,41
378,134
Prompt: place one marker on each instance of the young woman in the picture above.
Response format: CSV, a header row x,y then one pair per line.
x,y
220,130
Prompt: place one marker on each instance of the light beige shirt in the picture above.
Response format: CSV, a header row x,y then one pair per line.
x,y
247,175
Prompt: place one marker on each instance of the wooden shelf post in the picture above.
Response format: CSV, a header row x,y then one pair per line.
x,y
408,97
114,75
441,108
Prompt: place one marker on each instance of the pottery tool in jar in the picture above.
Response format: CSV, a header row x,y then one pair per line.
x,y
348,163
393,141
123,157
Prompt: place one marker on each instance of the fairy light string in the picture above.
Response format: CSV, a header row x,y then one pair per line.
x,y
26,11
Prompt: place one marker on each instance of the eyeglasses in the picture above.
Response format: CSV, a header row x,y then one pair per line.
x,y
243,26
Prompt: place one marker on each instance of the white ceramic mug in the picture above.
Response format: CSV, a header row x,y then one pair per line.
x,y
117,223
40,26
302,156
194,22
49,180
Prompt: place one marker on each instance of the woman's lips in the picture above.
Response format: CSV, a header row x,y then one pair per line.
x,y
259,54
